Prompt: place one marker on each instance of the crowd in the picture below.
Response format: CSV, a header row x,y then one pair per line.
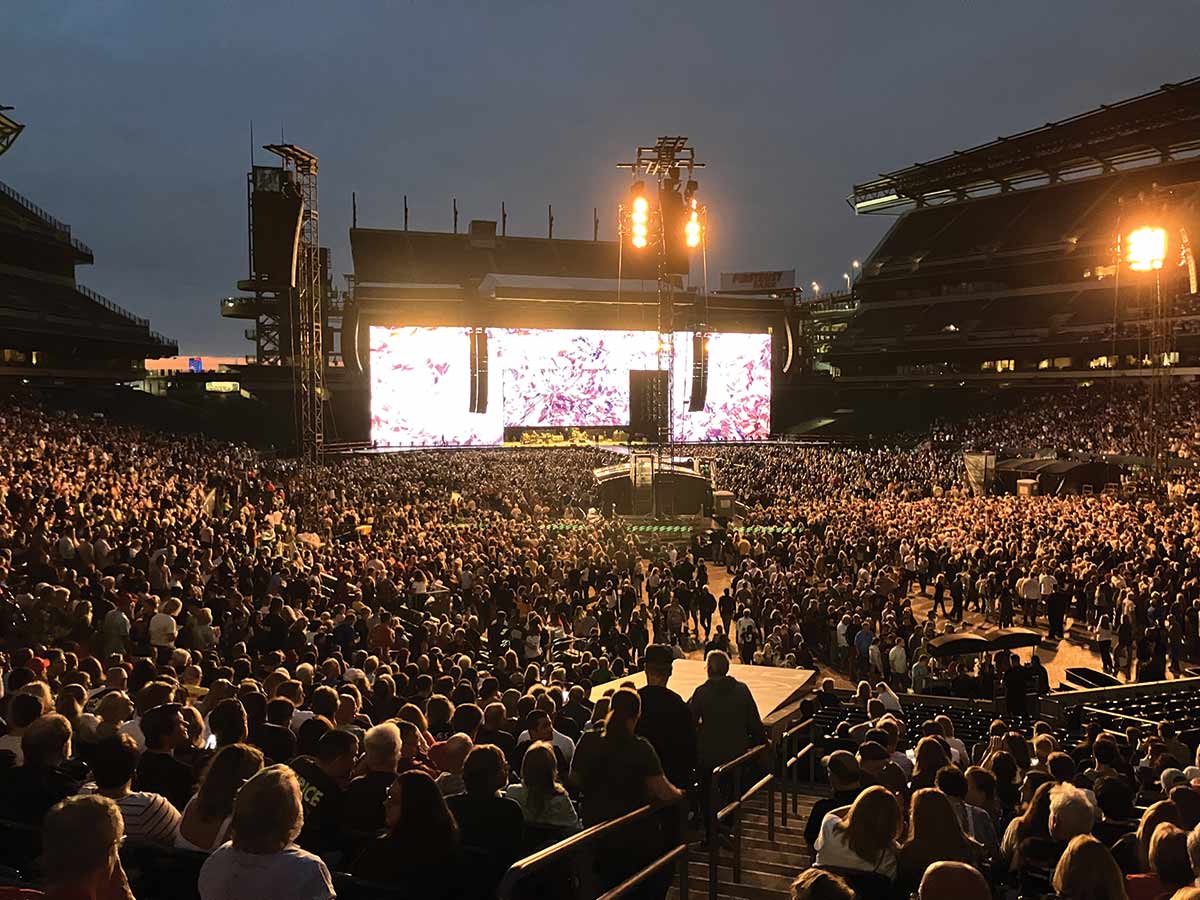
x,y
384,667
1110,418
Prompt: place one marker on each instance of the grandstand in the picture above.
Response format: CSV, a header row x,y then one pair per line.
x,y
53,327
1001,263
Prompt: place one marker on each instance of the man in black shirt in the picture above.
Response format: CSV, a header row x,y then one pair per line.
x,y
274,737
158,771
845,779
666,721
493,732
321,782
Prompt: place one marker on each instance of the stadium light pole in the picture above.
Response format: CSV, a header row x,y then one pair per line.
x,y
846,275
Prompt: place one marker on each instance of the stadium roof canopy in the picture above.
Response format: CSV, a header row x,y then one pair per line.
x,y
1150,129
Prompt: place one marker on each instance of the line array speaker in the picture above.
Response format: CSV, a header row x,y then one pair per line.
x,y
699,373
479,371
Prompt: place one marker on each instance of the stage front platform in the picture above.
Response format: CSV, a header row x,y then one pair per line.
x,y
776,692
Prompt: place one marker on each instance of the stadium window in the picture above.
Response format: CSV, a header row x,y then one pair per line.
x,y
1043,364
988,365
1006,365
1101,362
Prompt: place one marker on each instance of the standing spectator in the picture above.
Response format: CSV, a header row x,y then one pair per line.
x,y
666,722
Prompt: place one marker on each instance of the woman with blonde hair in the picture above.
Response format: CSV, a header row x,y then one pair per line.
x,y
1170,865
1087,871
209,814
543,800
262,860
862,836
934,833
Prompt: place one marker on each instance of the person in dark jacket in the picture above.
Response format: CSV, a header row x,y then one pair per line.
x,y
727,724
666,721
28,791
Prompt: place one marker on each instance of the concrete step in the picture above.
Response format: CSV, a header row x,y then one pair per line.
x,y
698,890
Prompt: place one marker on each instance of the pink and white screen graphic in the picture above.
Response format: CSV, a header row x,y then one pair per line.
x,y
556,378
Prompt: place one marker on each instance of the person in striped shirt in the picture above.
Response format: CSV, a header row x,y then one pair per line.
x,y
149,818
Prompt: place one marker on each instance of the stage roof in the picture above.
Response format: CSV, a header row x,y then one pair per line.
x,y
1146,130
387,256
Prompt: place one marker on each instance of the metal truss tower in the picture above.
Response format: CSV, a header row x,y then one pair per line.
x,y
306,319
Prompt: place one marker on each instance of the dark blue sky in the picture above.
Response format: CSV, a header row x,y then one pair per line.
x,y
137,115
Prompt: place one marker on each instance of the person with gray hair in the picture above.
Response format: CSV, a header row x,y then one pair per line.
x,y
362,803
1071,812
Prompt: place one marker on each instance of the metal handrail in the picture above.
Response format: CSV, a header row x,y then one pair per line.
x,y
109,305
569,848
716,816
788,762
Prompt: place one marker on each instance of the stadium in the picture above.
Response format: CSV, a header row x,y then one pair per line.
x,y
526,566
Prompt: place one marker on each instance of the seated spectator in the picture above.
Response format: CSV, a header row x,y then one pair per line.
x,y
322,780
81,841
1132,852
1087,871
492,731
953,879
975,822
363,802
208,816
1187,803
934,834
542,798
261,860
148,818
1071,815
1170,865
412,756
274,737
450,756
28,791
420,849
863,835
817,884
23,711
1119,817
228,723
844,780
487,820
931,757
158,771
540,727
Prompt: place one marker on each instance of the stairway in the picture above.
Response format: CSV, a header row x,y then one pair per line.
x,y
767,868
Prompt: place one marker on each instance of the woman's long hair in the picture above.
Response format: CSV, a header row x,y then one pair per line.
x,y
623,712
230,768
426,831
872,825
934,829
931,756
1155,815
539,774
1087,871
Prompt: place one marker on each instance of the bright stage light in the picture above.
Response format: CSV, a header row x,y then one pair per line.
x,y
691,231
1146,248
640,219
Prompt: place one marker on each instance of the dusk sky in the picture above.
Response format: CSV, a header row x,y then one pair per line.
x,y
137,116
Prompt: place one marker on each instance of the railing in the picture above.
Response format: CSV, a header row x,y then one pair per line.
x,y
112,307
795,745
57,224
580,851
717,815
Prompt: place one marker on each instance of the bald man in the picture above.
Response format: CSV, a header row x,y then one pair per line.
x,y
953,879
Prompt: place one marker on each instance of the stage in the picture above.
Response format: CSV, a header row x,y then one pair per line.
x,y
777,692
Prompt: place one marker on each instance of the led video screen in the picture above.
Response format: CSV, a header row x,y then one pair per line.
x,y
420,383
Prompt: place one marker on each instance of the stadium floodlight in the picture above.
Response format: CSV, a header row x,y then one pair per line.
x,y
816,288
639,217
691,231
1146,248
